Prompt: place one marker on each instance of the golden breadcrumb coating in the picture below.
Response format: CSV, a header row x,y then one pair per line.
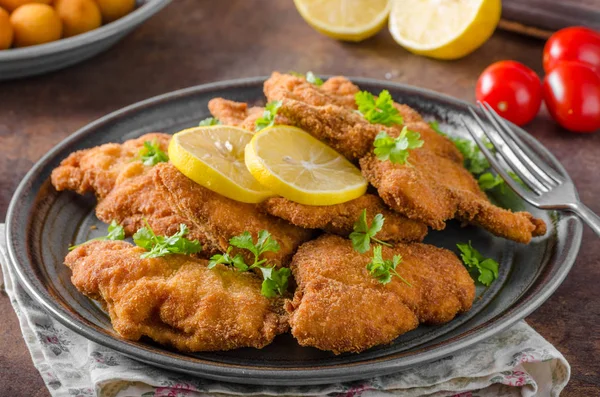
x,y
123,185
137,201
219,218
432,189
237,114
98,169
337,90
176,300
340,218
339,306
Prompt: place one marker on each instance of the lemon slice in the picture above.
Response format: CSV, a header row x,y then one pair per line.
x,y
351,20
299,167
443,29
214,158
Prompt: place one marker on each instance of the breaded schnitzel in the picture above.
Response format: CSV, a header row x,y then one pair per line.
x,y
434,188
344,130
337,90
339,306
328,113
219,218
340,218
136,200
132,194
237,114
98,169
351,135
122,184
176,300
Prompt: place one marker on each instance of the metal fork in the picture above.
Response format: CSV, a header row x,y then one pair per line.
x,y
547,188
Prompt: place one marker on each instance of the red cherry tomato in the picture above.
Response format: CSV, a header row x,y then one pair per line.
x,y
512,89
572,95
573,44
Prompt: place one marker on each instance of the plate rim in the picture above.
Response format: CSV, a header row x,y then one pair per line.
x,y
285,376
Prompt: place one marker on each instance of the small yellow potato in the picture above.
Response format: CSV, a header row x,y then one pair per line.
x,y
78,16
11,5
6,30
34,24
112,10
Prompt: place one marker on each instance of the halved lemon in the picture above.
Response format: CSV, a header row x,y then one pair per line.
x,y
443,29
351,20
299,167
214,158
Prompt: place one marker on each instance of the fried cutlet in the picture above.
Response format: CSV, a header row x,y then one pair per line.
x,y
136,201
432,189
123,185
132,194
219,218
339,306
329,113
336,91
237,114
98,169
176,300
340,218
351,135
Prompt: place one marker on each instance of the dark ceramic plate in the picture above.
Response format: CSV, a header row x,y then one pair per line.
x,y
42,223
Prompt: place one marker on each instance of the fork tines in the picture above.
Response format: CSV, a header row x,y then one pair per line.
x,y
527,165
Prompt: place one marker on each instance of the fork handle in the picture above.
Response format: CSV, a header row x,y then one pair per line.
x,y
588,216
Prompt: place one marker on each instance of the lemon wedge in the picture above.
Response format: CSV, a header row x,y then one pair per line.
x,y
299,167
351,20
214,158
443,29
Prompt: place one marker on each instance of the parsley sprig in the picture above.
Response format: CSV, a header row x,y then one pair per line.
x,y
436,127
486,269
384,269
115,232
488,181
380,110
151,154
157,246
361,237
363,233
226,259
475,162
275,281
397,149
268,117
207,122
516,178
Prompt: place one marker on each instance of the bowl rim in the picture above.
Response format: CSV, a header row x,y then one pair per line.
x,y
134,18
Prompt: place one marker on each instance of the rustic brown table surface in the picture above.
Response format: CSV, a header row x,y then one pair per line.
x,y
193,42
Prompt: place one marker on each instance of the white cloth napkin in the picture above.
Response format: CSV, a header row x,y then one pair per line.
x,y
517,362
